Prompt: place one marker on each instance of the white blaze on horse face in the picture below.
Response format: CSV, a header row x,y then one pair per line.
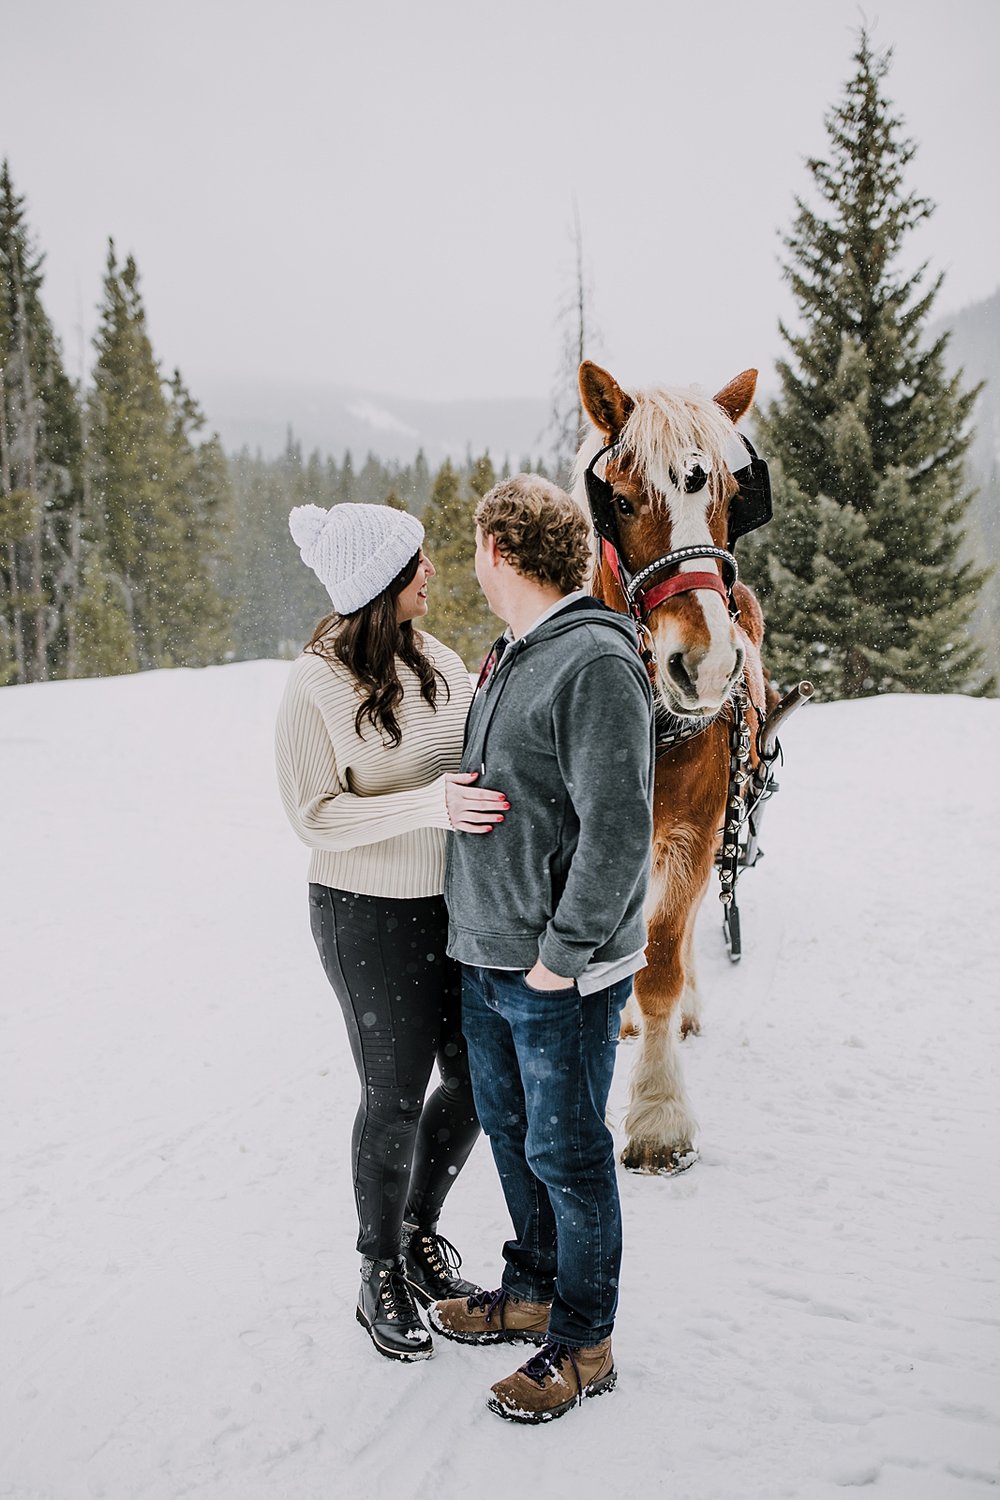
x,y
709,669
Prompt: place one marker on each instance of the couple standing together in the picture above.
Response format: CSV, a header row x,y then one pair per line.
x,y
530,809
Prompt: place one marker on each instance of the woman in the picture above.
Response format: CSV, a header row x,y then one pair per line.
x,y
370,726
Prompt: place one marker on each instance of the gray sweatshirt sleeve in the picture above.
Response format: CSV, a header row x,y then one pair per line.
x,y
601,722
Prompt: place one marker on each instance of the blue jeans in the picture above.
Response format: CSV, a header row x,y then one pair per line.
x,y
541,1067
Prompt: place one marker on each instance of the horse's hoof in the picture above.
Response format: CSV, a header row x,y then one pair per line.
x,y
657,1160
690,1026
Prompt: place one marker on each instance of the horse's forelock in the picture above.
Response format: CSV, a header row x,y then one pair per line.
x,y
668,422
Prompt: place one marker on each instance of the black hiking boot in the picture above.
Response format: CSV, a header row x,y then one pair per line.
x,y
387,1310
431,1263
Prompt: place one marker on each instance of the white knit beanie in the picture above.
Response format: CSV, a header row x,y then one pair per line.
x,y
355,550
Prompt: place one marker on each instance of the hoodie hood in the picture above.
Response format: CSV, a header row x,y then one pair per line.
x,y
566,622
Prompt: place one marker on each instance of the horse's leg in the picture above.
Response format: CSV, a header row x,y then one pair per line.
x,y
691,998
630,1019
660,1125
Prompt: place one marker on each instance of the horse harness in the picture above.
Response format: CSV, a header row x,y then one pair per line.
x,y
750,507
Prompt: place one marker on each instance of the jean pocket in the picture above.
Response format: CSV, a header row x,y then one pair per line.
x,y
569,989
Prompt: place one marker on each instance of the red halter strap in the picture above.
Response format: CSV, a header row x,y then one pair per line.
x,y
681,583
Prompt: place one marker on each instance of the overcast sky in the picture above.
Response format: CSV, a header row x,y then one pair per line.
x,y
380,194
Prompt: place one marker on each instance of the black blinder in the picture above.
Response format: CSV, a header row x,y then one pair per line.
x,y
751,506
601,498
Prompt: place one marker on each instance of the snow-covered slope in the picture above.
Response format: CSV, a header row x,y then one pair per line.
x,y
813,1309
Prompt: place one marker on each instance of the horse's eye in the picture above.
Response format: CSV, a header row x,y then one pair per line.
x,y
625,505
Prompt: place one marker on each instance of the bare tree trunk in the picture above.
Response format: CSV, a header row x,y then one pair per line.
x,y
567,423
581,315
17,631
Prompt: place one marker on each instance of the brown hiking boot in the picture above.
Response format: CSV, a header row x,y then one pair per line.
x,y
552,1381
491,1318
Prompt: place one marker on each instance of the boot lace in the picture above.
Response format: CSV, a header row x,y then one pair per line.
x,y
395,1296
440,1254
548,1361
489,1302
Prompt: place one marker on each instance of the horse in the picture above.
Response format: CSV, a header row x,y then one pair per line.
x,y
664,511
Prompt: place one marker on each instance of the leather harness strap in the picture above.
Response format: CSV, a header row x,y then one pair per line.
x,y
680,584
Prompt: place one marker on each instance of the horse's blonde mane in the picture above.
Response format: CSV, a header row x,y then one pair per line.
x,y
666,423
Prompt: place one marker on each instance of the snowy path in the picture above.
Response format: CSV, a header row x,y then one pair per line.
x,y
812,1310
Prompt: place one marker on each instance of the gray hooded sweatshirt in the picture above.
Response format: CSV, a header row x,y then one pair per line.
x,y
563,726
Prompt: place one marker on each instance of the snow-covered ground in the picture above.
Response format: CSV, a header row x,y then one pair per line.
x,y
813,1309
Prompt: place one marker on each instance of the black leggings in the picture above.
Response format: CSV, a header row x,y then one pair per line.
x,y
401,998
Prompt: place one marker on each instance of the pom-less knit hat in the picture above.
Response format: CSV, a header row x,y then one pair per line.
x,y
355,550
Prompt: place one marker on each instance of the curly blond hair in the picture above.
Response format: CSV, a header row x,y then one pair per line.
x,y
539,530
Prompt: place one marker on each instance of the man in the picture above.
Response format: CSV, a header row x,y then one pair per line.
x,y
545,915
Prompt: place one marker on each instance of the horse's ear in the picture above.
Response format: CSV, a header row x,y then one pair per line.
x,y
736,398
604,401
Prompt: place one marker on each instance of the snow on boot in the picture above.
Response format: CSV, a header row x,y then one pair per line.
x,y
491,1318
552,1381
387,1310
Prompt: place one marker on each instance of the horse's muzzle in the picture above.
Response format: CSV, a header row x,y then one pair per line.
x,y
695,683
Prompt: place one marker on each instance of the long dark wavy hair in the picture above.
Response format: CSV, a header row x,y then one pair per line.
x,y
367,642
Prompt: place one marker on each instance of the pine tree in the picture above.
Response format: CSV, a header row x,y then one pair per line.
x,y
104,642
459,614
482,476
40,459
419,493
194,531
860,569
128,448
158,499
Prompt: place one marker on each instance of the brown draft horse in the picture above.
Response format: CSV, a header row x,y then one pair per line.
x,y
670,473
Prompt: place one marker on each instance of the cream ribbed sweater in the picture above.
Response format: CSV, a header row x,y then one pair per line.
x,y
373,815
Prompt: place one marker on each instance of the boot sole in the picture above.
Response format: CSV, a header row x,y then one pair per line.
x,y
383,1349
533,1418
493,1336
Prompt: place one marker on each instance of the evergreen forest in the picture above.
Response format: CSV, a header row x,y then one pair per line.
x,y
130,540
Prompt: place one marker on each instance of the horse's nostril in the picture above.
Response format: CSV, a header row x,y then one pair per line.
x,y
678,670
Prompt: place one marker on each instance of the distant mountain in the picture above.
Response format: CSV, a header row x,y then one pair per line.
x,y
258,415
